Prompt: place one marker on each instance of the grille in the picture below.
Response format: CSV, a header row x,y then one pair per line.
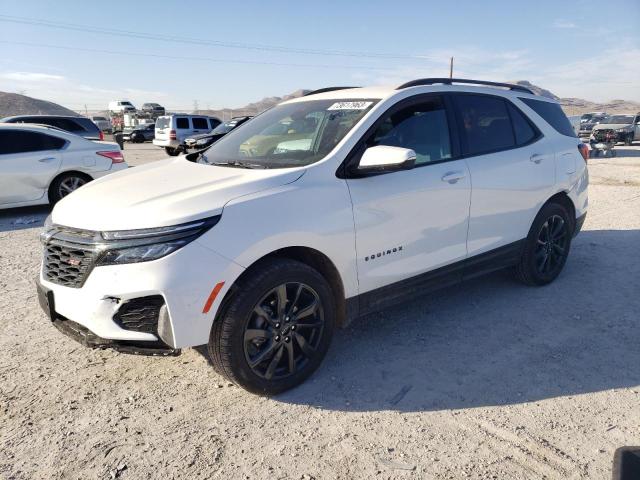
x,y
140,314
67,265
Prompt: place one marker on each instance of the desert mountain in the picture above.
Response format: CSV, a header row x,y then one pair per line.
x,y
16,104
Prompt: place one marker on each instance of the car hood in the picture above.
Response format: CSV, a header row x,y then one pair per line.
x,y
163,193
611,126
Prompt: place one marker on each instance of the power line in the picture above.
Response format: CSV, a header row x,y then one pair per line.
x,y
200,59
196,41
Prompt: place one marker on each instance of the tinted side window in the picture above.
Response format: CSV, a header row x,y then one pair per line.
x,y
87,124
16,141
65,124
199,123
213,123
422,128
486,125
182,123
521,126
552,114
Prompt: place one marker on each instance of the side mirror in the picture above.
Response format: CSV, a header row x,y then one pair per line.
x,y
385,158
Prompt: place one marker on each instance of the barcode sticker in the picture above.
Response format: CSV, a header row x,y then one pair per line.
x,y
350,106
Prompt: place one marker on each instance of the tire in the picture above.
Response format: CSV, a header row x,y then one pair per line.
x,y
65,184
628,140
136,138
544,257
266,348
173,152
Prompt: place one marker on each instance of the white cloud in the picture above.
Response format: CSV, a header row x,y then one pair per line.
x,y
559,23
31,77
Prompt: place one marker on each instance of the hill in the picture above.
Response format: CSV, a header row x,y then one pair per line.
x,y
16,104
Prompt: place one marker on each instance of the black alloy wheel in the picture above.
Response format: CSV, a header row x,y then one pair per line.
x,y
552,250
284,331
546,248
274,328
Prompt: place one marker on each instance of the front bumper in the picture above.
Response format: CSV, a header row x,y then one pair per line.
x,y
184,280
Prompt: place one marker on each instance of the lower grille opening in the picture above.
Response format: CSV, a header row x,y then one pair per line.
x,y
140,314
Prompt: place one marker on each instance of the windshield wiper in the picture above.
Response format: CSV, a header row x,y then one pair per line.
x,y
237,164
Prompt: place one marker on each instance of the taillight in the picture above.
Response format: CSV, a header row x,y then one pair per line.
x,y
115,156
101,135
172,135
584,151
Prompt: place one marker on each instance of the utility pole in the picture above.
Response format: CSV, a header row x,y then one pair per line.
x,y
195,106
451,68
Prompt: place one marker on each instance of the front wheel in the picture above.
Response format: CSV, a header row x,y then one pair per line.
x,y
546,247
276,329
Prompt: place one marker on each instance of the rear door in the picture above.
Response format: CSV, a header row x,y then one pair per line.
x,y
512,171
183,128
28,162
636,127
200,125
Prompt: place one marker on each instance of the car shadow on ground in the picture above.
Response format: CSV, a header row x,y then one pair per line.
x,y
22,218
493,341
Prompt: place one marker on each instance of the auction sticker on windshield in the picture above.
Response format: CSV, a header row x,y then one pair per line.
x,y
350,106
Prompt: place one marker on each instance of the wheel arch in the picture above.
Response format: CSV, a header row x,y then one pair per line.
x,y
309,256
62,174
563,199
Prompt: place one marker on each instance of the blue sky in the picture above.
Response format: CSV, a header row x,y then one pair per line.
x,y
587,49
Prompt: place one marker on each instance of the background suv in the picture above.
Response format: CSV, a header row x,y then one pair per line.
x,y
319,210
172,130
81,126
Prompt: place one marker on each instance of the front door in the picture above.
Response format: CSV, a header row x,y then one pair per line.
x,y
412,221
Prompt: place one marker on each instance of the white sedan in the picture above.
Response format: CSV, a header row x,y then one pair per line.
x,y
40,164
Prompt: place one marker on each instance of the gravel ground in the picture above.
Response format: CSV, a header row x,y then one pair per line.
x,y
489,380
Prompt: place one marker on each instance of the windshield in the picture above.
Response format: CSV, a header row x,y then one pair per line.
x,y
99,119
289,135
619,119
225,127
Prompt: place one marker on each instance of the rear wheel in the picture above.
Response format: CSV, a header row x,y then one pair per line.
x,y
629,139
275,331
546,247
173,152
65,184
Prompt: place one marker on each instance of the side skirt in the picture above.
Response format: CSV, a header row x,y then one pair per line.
x,y
404,290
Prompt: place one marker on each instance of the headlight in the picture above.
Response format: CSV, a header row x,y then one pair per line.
x,y
146,244
143,253
622,130
201,141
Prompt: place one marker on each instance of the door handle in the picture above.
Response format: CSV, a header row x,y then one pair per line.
x,y
453,177
47,159
536,158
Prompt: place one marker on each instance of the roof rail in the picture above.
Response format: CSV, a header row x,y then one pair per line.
x,y
327,89
450,81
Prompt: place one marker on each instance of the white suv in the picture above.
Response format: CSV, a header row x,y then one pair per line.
x,y
172,130
321,209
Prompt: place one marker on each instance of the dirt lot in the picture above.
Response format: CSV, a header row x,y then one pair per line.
x,y
490,380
